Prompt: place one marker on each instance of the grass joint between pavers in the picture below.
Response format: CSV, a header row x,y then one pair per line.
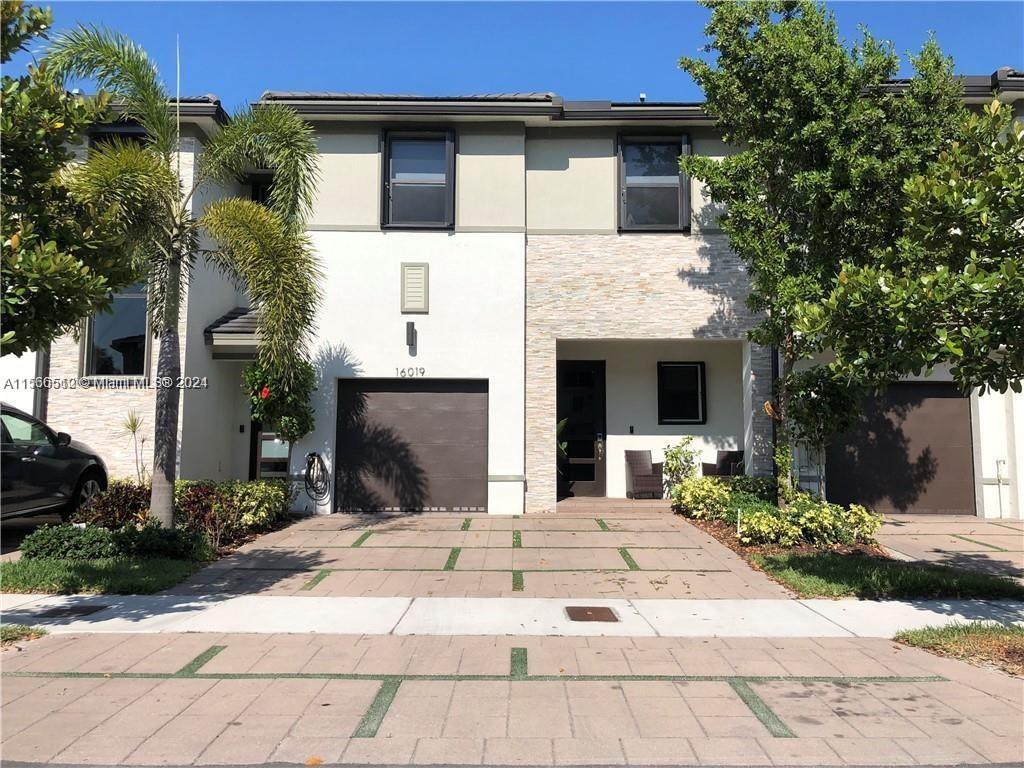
x,y
324,573
378,709
517,539
629,559
518,664
517,581
979,543
761,710
453,558
466,523
834,679
602,524
359,542
190,669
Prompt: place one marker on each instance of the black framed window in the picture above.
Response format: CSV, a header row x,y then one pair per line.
x,y
260,185
654,194
116,340
681,394
419,179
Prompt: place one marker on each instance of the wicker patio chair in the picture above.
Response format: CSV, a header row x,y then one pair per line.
x,y
646,479
727,464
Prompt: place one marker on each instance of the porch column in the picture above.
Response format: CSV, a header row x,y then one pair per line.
x,y
541,415
757,426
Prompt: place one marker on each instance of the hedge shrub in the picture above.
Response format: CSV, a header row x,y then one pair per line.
x,y
810,520
765,488
223,512
749,504
703,498
123,502
71,542
68,542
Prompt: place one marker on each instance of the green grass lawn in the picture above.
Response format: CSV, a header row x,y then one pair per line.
x,y
116,576
13,633
829,574
978,642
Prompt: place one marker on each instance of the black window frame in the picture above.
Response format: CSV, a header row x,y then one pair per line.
x,y
423,134
685,204
260,182
87,336
702,394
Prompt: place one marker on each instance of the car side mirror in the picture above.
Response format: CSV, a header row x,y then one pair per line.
x,y
63,438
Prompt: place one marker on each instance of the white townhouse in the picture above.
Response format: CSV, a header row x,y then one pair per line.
x,y
494,265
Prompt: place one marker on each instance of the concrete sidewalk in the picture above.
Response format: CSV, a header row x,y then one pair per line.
x,y
495,616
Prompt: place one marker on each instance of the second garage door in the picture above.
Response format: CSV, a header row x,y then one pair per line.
x,y
416,445
910,453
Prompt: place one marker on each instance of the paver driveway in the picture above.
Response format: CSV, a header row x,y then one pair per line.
x,y
990,546
591,552
199,698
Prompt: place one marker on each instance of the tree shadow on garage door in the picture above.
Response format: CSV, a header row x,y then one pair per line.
x,y
873,462
375,469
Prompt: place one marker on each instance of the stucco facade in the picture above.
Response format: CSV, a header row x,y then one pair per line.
x,y
534,268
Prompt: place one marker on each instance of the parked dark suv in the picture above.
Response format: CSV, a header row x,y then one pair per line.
x,y
43,470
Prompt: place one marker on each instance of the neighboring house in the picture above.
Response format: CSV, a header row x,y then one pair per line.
x,y
494,264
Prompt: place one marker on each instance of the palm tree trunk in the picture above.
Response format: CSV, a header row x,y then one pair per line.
x,y
784,433
165,422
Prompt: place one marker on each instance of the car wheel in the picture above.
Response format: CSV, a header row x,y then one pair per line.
x,y
90,484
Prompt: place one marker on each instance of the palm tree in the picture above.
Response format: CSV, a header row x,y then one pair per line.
x,y
263,247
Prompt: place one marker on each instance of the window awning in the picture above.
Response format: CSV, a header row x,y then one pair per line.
x,y
233,336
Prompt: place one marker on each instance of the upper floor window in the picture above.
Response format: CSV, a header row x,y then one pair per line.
x,y
259,187
654,193
419,183
115,340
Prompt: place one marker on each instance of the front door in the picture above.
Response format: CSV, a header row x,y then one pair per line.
x,y
581,466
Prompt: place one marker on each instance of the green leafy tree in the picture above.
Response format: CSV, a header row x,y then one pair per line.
x,y
264,247
951,289
62,258
824,148
822,405
285,405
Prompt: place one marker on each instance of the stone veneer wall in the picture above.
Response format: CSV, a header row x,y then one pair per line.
x,y
96,416
653,286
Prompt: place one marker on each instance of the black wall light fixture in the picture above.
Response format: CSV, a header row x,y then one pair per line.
x,y
410,334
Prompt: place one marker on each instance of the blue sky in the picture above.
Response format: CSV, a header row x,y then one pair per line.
x,y
579,50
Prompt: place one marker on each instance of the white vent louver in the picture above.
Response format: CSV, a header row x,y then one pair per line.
x,y
415,288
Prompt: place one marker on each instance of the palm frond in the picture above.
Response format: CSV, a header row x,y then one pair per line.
x,y
270,137
126,175
121,67
134,190
277,266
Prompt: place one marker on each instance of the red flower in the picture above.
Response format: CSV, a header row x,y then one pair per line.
x,y
264,393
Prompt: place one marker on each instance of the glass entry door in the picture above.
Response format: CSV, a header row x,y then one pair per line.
x,y
581,404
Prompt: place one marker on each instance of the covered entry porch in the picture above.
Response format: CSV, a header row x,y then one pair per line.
x,y
614,396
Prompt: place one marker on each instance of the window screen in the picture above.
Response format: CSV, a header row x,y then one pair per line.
x,y
420,181
116,342
681,397
654,193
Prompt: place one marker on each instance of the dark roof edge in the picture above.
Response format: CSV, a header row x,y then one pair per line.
x,y
1003,80
191,107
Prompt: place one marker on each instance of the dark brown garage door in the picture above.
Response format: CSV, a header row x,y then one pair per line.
x,y
911,453
416,445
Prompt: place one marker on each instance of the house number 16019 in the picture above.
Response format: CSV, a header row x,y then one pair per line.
x,y
409,373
